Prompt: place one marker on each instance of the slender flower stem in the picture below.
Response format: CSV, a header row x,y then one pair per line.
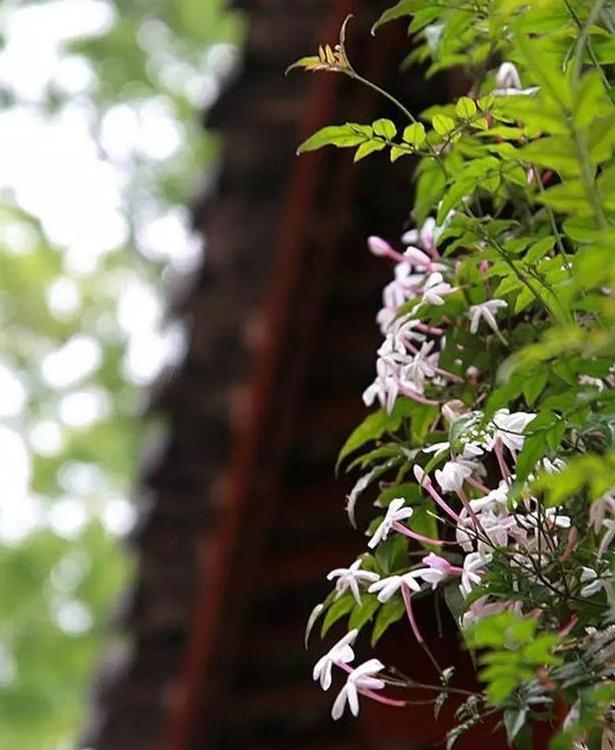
x,y
466,504
433,330
473,482
399,527
449,375
382,698
407,597
416,396
427,484
505,471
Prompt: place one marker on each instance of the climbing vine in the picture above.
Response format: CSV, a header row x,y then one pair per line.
x,y
490,455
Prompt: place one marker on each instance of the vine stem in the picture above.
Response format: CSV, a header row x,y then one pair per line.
x,y
584,37
591,52
579,138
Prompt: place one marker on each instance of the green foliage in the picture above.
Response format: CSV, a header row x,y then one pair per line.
x,y
514,207
514,650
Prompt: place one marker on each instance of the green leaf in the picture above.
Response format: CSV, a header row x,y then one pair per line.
x,y
390,613
341,136
375,425
535,445
539,249
363,613
403,8
336,611
545,69
385,128
556,152
443,124
569,197
365,149
592,101
397,153
312,619
415,134
524,299
458,191
534,385
454,600
465,108
429,188
514,721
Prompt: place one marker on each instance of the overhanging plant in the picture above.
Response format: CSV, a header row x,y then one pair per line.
x,y
491,455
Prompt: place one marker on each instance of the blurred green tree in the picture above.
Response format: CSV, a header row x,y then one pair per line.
x,y
101,149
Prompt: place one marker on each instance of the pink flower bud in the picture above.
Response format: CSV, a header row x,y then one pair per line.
x,y
420,475
379,247
417,257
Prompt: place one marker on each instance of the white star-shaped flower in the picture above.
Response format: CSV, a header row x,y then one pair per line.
x,y
485,311
509,428
453,474
593,584
361,678
507,76
350,578
388,587
395,512
340,653
435,288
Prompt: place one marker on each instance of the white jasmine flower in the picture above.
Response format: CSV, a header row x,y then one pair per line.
x,y
361,678
508,81
554,516
472,565
422,366
472,449
438,569
496,499
509,428
485,311
608,537
405,286
341,652
482,608
417,257
497,528
385,387
350,578
588,380
426,238
395,512
552,466
452,475
436,447
593,583
388,587
507,76
433,33
404,331
429,234
598,510
464,533
393,351
435,288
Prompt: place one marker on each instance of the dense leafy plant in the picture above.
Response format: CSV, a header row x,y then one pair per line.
x,y
493,448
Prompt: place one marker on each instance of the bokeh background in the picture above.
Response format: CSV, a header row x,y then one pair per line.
x,y
102,150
